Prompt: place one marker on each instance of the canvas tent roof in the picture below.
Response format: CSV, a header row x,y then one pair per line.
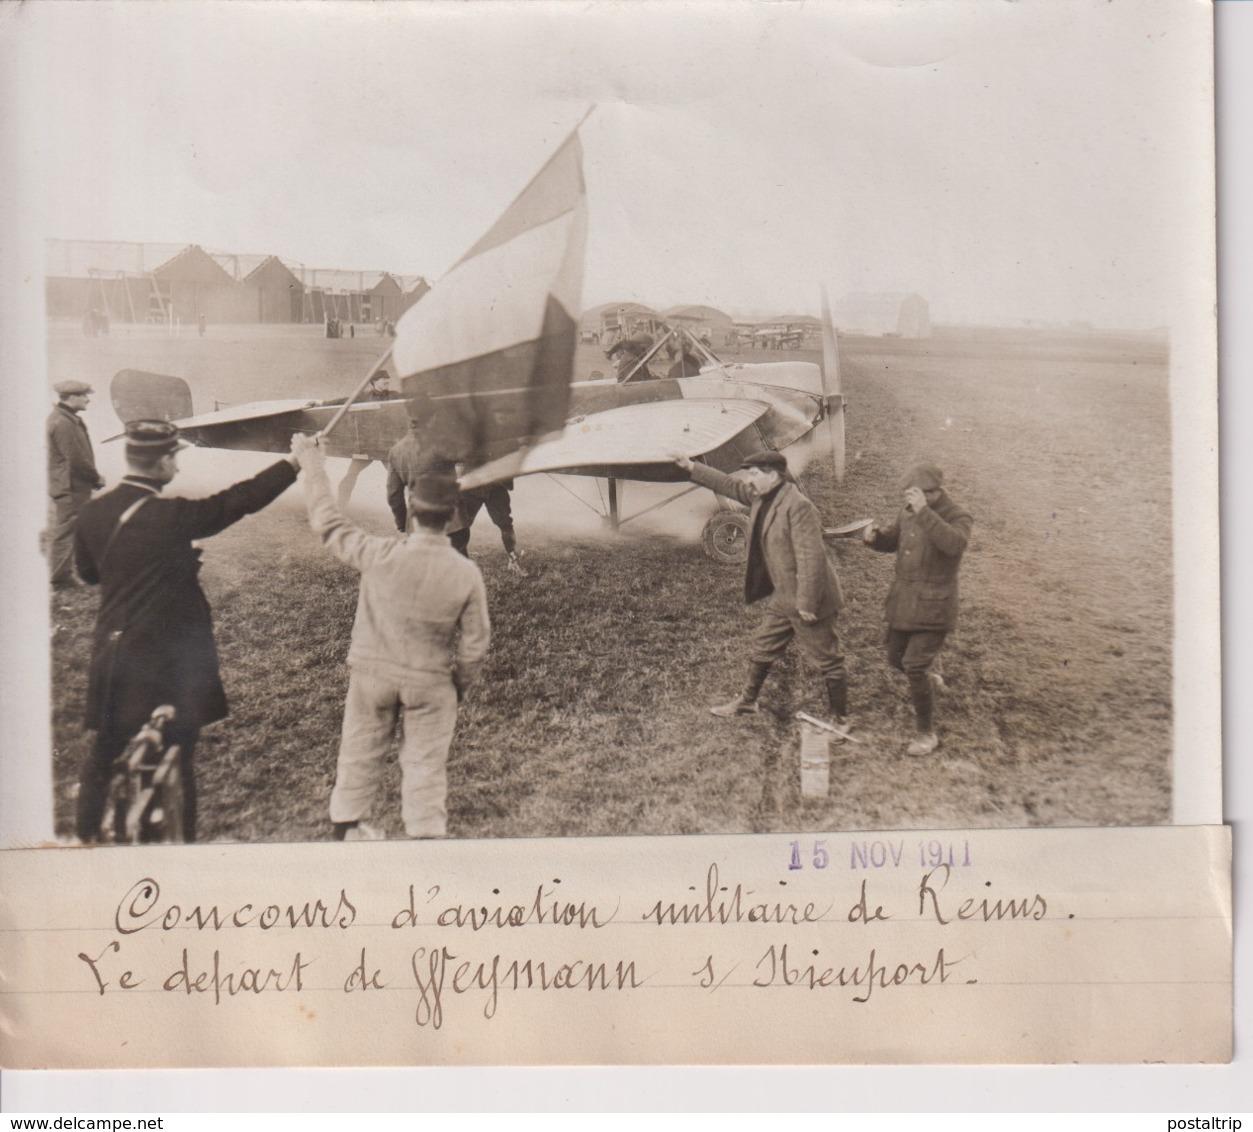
x,y
193,263
270,267
698,313
629,307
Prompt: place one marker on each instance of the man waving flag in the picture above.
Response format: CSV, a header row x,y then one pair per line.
x,y
487,356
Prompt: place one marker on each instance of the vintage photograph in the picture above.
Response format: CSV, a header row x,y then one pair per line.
x,y
485,421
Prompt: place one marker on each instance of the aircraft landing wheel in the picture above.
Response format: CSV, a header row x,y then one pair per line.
x,y
725,537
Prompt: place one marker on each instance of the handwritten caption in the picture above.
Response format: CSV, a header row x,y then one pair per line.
x,y
440,951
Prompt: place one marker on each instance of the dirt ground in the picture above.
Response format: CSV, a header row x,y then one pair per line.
x,y
592,718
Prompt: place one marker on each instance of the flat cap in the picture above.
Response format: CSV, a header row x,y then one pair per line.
x,y
771,461
152,438
925,476
70,388
433,491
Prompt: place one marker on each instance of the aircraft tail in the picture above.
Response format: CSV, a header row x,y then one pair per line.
x,y
137,395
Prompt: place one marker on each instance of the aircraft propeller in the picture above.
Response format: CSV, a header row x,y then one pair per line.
x,y
833,398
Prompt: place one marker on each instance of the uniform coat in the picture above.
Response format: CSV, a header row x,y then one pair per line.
x,y
154,632
929,548
791,543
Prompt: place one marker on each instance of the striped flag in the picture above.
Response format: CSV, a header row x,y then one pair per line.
x,y
487,356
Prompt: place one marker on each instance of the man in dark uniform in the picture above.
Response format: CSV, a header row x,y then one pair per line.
x,y
407,459
72,475
788,564
929,537
154,633
495,497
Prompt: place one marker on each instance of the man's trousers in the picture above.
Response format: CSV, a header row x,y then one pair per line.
x,y
818,641
65,509
913,653
499,510
425,705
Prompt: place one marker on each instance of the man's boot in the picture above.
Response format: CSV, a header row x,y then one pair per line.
x,y
921,691
746,702
837,703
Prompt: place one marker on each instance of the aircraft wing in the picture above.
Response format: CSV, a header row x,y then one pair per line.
x,y
646,433
252,411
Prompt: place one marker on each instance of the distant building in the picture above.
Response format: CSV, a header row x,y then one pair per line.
x,y
280,295
194,285
710,318
877,315
608,321
134,282
388,299
110,276
359,296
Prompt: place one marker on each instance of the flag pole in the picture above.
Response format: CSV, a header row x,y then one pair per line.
x,y
339,414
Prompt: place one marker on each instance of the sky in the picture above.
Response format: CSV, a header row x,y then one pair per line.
x,y
1038,159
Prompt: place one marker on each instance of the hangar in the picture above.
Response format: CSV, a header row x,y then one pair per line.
x,y
280,295
111,276
893,314
711,317
358,296
151,282
194,285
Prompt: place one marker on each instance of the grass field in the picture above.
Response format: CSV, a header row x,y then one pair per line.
x,y
592,718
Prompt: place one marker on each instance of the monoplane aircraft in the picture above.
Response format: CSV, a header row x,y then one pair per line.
x,y
618,429
486,371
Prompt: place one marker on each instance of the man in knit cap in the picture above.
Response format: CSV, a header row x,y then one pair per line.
x,y
928,536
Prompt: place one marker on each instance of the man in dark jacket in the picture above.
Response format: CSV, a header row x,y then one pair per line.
x,y
929,537
495,497
407,459
72,475
788,564
631,350
154,633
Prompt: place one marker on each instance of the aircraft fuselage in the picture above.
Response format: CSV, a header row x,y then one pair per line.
x,y
370,428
